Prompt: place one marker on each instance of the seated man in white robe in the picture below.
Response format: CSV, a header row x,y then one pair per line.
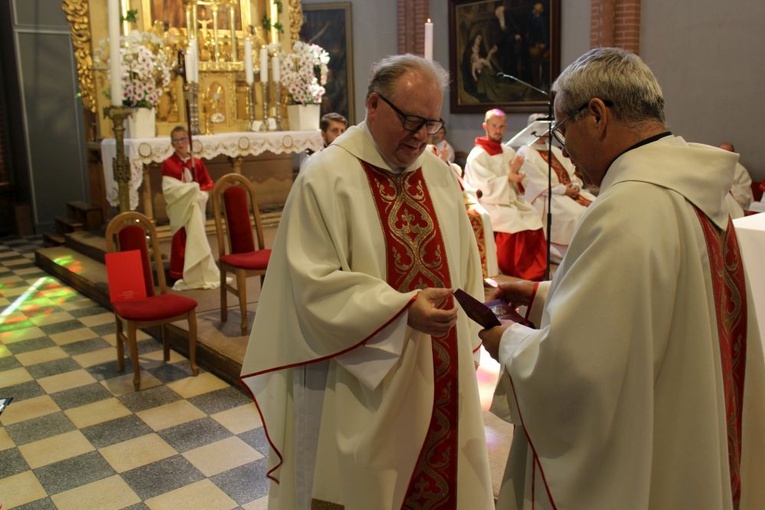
x,y
494,169
479,219
185,185
569,199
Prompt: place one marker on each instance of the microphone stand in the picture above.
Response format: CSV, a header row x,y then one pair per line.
x,y
503,76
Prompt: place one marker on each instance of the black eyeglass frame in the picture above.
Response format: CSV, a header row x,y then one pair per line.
x,y
560,137
432,126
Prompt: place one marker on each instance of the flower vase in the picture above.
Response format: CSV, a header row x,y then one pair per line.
x,y
303,117
142,123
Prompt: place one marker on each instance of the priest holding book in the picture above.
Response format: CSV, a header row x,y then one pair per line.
x,y
644,385
359,361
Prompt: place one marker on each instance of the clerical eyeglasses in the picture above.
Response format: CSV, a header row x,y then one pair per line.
x,y
414,123
556,130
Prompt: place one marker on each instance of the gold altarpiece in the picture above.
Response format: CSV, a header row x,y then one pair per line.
x,y
224,96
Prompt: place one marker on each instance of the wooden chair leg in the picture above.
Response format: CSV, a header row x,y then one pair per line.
x,y
120,345
241,290
165,344
133,346
223,298
193,342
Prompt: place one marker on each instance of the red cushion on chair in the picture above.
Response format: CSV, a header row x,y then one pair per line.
x,y
252,260
238,219
155,307
134,238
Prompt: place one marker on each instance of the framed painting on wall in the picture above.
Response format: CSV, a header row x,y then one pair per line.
x,y
503,54
329,26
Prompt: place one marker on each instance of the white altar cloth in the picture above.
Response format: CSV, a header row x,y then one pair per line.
x,y
750,231
142,151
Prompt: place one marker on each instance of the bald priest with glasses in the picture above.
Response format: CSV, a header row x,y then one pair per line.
x,y
359,361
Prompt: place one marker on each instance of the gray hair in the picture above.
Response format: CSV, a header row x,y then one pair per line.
x,y
384,73
615,75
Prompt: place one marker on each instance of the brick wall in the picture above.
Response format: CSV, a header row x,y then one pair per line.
x,y
412,15
615,23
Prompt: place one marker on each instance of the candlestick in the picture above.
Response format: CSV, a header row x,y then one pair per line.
x,y
429,40
278,107
264,126
263,65
275,66
248,61
115,65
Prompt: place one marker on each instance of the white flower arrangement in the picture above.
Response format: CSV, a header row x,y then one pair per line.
x,y
145,68
304,72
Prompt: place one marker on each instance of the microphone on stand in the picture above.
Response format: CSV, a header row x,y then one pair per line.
x,y
510,77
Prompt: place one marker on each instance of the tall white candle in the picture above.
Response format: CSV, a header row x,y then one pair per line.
x,y
276,70
248,61
429,40
263,65
115,74
274,21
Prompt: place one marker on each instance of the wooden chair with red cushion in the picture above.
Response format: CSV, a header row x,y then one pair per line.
x,y
129,231
240,252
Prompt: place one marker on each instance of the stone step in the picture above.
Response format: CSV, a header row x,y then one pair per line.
x,y
65,224
53,239
88,214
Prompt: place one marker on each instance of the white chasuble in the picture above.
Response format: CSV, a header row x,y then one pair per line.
x,y
330,307
639,389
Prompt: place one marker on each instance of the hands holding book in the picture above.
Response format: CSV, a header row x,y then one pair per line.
x,y
498,314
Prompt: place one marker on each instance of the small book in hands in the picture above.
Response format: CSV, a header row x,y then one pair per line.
x,y
488,314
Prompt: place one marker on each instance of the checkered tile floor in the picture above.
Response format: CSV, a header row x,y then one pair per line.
x,y
76,435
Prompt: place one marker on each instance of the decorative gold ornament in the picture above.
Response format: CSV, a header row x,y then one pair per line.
x,y
79,26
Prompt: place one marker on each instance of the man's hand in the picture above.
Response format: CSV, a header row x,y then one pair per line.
x,y
427,315
572,191
515,291
491,338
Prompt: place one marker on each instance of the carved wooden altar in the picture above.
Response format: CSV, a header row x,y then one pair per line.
x,y
224,95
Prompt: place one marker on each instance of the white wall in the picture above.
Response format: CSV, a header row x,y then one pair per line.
x,y
709,57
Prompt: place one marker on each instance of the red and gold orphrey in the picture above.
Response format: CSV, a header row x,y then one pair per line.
x,y
731,311
416,260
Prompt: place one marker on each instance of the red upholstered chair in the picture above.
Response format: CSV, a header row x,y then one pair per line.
x,y
239,252
129,231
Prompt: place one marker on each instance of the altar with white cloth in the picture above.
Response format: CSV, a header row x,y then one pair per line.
x,y
750,231
141,152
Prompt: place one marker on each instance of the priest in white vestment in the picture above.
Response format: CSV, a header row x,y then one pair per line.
x,y
359,362
644,385
569,198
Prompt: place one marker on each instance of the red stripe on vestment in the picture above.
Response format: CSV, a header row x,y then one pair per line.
x,y
731,310
416,260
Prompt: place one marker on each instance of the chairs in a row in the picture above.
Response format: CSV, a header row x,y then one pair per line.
x,y
241,253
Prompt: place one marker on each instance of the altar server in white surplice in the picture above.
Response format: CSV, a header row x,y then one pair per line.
x,y
644,385
359,361
569,199
185,186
